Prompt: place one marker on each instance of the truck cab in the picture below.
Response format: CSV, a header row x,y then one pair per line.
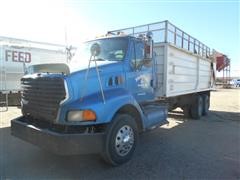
x,y
98,103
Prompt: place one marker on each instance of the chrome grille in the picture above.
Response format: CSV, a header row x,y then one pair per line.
x,y
41,97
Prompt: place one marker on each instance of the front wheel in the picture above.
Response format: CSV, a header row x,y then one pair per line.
x,y
121,140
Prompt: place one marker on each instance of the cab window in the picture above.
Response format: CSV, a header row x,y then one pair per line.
x,y
137,55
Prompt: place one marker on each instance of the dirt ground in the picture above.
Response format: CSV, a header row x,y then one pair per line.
x,y
184,149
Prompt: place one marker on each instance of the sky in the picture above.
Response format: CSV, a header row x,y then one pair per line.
x,y
213,22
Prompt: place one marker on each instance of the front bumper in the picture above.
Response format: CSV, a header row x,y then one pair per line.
x,y
58,143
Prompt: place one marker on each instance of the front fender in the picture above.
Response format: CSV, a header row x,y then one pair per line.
x,y
114,100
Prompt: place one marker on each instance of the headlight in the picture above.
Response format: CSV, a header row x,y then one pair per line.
x,y
84,115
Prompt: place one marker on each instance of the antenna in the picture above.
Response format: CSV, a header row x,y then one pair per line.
x,y
66,43
65,35
68,48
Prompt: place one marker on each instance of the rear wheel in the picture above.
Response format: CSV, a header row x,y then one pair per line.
x,y
186,111
206,104
121,140
197,107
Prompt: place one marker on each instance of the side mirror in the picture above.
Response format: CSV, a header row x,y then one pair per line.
x,y
149,45
95,49
148,52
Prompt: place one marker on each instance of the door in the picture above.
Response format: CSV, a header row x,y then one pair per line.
x,y
140,75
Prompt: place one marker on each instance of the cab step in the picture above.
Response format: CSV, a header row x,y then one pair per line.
x,y
155,115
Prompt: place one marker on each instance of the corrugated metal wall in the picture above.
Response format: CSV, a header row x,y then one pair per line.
x,y
180,72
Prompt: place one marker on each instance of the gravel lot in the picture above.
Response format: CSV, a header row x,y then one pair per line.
x,y
183,149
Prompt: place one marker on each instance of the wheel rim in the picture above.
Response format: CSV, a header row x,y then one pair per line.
x,y
124,140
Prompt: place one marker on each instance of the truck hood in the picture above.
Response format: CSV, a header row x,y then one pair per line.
x,y
64,68
80,86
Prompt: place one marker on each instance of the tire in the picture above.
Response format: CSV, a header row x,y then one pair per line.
x,y
116,151
186,111
206,104
197,107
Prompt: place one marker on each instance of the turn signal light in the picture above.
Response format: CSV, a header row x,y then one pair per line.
x,y
88,115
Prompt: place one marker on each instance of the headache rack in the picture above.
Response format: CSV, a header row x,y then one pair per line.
x,y
166,32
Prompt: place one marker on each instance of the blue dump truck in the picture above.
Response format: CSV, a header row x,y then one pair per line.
x,y
115,88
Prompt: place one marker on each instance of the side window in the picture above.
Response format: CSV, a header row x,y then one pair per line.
x,y
133,56
137,55
139,50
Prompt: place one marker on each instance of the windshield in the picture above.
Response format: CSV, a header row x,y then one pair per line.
x,y
113,49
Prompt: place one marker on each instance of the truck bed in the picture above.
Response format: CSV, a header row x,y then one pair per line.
x,y
180,71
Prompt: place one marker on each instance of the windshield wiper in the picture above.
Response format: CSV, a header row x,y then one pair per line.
x,y
99,59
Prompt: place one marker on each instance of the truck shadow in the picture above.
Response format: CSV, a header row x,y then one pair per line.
x,y
217,115
178,151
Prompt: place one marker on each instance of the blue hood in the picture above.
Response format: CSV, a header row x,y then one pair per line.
x,y
78,87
